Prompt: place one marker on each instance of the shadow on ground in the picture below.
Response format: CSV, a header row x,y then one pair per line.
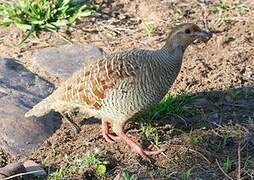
x,y
206,135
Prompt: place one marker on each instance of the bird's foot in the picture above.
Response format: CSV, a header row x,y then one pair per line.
x,y
105,132
144,153
148,151
110,137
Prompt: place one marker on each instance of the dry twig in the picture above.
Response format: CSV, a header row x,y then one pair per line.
x,y
239,161
22,174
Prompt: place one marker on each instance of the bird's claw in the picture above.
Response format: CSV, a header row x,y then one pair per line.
x,y
110,138
144,153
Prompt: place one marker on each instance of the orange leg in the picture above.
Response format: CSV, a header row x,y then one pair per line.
x,y
136,147
121,135
105,132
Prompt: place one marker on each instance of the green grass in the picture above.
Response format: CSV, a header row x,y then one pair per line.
x,y
168,107
194,138
150,133
243,7
36,15
186,175
227,164
223,6
235,93
89,160
149,29
127,176
58,174
220,7
226,136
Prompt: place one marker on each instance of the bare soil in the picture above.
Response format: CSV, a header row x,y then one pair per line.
x,y
217,123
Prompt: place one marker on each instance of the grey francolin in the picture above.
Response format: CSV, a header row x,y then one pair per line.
x,y
116,87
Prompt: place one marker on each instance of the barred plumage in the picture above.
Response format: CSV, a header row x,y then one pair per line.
x,y
119,85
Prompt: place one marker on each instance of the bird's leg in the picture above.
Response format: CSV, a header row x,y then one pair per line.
x,y
105,132
68,119
136,147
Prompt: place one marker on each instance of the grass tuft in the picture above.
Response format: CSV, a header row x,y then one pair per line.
x,y
89,160
149,29
186,175
127,176
35,15
150,133
220,7
227,164
168,107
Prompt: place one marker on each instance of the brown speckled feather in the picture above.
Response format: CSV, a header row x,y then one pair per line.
x,y
89,86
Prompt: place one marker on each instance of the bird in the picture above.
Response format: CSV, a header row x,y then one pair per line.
x,y
118,86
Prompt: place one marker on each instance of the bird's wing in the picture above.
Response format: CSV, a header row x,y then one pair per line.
x,y
89,85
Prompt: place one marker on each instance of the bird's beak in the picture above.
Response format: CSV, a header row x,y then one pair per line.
x,y
203,35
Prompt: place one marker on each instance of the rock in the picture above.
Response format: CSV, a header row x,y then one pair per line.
x,y
11,169
64,60
32,166
20,168
20,90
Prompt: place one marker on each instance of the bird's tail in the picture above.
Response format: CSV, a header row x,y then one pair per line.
x,y
41,108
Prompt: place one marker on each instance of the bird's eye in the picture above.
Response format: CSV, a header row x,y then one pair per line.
x,y
187,31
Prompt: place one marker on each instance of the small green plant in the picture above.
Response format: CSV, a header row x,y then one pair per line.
x,y
35,15
169,105
193,138
149,29
150,133
92,160
235,93
127,176
58,174
226,136
101,170
227,164
75,163
186,175
220,7
243,7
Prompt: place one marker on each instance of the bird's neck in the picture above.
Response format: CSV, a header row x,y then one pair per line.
x,y
163,69
175,43
169,60
172,54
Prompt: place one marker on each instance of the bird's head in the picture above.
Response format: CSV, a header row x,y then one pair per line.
x,y
185,34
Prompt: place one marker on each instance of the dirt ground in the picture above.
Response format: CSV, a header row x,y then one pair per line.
x,y
217,124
